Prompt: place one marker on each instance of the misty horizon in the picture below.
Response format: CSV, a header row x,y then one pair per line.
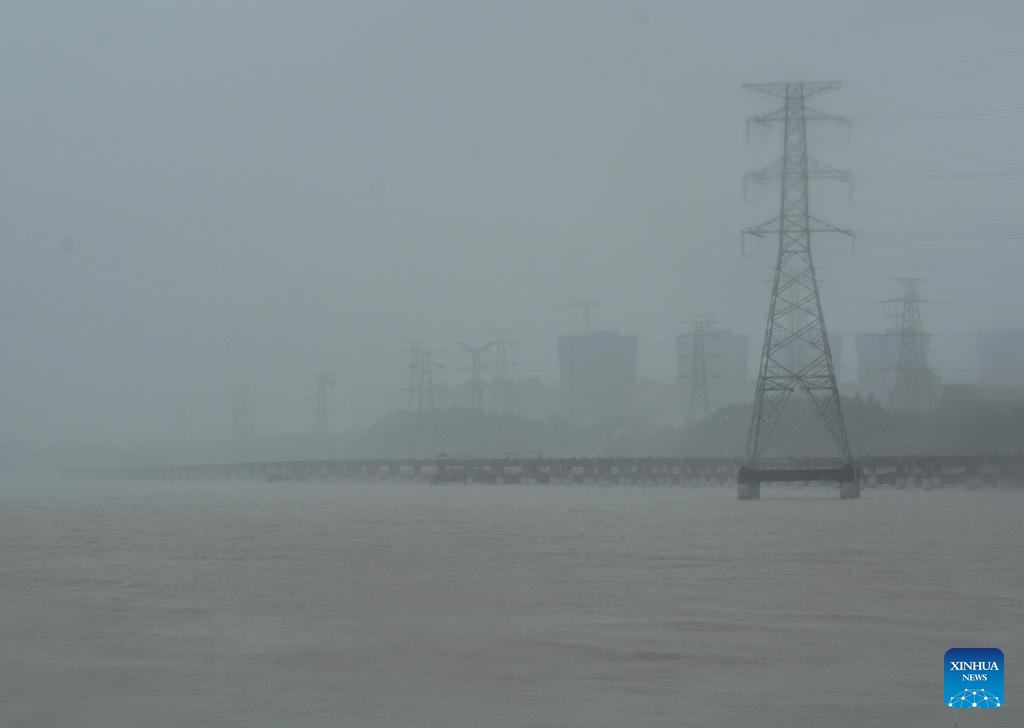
x,y
199,198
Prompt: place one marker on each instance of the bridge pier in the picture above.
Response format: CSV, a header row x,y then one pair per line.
x,y
750,477
849,490
748,491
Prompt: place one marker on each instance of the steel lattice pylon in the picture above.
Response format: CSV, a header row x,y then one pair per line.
x,y
697,372
796,353
914,379
476,383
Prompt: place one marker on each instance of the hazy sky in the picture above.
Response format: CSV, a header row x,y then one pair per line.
x,y
197,193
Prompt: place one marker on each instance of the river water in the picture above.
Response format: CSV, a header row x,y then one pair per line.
x,y
323,604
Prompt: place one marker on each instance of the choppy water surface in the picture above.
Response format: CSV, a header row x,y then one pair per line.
x,y
229,604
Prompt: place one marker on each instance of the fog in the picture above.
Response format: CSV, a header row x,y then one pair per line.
x,y
249,249
198,195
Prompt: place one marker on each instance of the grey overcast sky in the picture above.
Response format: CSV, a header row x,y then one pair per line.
x,y
196,193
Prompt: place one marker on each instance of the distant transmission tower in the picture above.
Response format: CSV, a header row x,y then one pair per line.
x,y
242,420
423,387
697,371
501,395
476,382
914,379
321,385
415,361
796,352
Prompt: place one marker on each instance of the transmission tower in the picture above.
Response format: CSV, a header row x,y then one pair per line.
x,y
914,378
422,384
422,388
321,385
476,383
796,353
501,394
242,420
425,386
415,361
697,371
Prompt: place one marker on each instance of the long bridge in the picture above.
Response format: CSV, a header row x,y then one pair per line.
x,y
910,471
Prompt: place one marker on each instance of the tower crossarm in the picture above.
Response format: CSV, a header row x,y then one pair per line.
x,y
815,170
779,115
774,227
809,89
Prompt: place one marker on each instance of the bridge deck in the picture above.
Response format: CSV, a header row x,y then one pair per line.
x,y
923,470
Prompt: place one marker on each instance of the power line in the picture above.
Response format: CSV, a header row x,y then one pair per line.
x,y
990,56
975,113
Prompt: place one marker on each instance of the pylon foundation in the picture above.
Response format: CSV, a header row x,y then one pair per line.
x,y
849,490
748,491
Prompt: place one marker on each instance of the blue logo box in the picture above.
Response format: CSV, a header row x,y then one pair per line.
x,y
974,678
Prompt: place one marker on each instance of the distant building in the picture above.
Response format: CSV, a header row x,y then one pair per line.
x,y
597,375
877,355
1000,359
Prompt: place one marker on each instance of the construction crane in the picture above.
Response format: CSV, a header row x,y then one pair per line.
x,y
586,306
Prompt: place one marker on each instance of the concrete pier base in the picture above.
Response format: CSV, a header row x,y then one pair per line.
x,y
748,491
849,490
